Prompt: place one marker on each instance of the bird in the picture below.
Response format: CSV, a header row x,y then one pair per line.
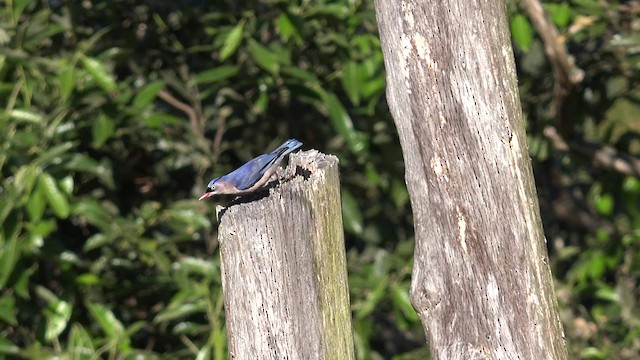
x,y
251,176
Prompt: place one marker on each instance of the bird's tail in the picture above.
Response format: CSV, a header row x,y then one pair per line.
x,y
287,147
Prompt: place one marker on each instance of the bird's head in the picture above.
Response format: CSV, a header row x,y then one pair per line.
x,y
212,189
219,186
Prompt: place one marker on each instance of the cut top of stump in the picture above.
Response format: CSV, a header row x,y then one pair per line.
x,y
303,166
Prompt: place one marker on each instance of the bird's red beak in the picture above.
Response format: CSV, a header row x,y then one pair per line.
x,y
206,195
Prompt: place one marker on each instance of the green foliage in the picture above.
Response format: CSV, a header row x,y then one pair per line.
x,y
522,32
591,213
116,114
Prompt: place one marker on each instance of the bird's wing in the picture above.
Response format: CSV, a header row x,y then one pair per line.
x,y
248,174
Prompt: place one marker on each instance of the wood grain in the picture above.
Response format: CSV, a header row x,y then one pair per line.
x,y
284,267
481,281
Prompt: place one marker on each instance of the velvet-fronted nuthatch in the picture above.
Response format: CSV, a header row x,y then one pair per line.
x,y
252,175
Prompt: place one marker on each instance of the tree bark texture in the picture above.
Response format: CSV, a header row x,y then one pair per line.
x,y
481,282
284,274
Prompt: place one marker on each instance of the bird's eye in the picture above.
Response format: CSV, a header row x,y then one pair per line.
x,y
211,186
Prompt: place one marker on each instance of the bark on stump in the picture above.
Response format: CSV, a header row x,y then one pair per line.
x,y
284,274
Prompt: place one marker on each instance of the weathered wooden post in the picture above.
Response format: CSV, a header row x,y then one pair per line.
x,y
284,272
481,281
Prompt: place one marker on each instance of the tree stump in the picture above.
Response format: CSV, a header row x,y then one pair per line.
x,y
284,274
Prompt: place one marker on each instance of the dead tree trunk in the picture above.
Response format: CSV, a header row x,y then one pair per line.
x,y
481,281
284,274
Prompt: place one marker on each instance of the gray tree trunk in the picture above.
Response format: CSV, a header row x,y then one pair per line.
x,y
284,273
481,281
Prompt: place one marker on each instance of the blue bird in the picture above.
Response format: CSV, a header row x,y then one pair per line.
x,y
252,175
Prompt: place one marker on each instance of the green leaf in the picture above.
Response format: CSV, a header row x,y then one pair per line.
x,y
21,286
350,82
185,302
342,122
53,154
231,43
373,176
9,253
607,293
282,53
351,213
592,353
596,265
96,241
9,199
8,309
147,95
160,120
36,203
57,319
560,14
204,353
56,198
186,217
87,279
217,74
196,265
522,32
57,314
188,328
111,326
26,139
25,116
18,8
400,296
42,228
604,204
339,11
373,299
399,193
285,26
261,104
300,74
94,213
103,128
100,73
219,342
67,81
179,311
67,184
7,347
80,343
374,86
631,185
102,170
264,57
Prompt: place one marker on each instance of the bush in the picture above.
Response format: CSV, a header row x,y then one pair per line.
x,y
116,115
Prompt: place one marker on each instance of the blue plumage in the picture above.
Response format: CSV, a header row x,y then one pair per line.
x,y
252,175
